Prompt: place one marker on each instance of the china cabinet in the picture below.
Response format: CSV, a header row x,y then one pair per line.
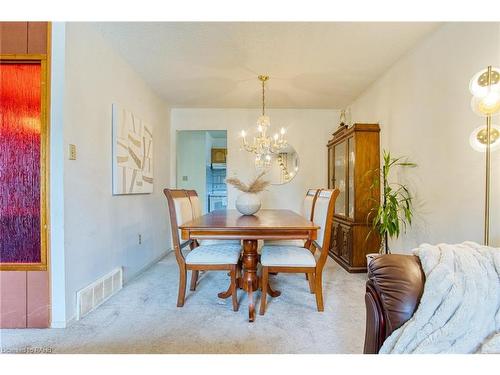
x,y
353,160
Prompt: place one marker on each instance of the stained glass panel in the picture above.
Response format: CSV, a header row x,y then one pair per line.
x,y
20,136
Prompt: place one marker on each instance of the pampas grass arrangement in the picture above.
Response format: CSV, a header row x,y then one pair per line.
x,y
256,186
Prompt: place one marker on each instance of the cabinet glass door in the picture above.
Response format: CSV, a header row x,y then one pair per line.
x,y
340,177
350,171
331,163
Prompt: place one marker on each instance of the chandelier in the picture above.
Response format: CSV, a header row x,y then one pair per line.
x,y
263,146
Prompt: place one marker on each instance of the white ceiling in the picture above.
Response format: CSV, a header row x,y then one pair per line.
x,y
212,64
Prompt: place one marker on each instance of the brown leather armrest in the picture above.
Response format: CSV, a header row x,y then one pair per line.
x,y
393,291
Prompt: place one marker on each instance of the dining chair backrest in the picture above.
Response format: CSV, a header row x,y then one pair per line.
x,y
323,217
195,203
308,205
180,210
307,211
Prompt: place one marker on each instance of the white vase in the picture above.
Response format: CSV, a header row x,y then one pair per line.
x,y
248,203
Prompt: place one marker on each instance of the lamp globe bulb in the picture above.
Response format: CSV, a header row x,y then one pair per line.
x,y
489,105
479,86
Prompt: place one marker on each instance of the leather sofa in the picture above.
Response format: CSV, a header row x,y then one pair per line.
x,y
393,291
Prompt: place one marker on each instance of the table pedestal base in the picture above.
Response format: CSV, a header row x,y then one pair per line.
x,y
250,281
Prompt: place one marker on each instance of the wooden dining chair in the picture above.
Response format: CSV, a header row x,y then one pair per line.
x,y
294,259
307,211
216,257
197,212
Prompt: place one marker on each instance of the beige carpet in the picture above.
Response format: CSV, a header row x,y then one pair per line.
x,y
143,318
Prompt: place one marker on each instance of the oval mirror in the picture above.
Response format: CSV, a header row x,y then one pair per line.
x,y
284,166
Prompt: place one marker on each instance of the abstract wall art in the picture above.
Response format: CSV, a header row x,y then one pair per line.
x,y
132,153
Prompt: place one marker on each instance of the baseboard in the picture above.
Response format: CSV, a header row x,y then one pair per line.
x,y
166,254
148,266
63,324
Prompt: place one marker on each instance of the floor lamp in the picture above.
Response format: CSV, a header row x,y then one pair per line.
x,y
485,88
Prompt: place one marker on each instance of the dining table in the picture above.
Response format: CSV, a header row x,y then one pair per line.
x,y
266,224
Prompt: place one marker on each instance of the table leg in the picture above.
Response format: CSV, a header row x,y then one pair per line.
x,y
273,293
250,280
228,293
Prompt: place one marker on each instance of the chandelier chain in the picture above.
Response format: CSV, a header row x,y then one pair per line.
x,y
263,98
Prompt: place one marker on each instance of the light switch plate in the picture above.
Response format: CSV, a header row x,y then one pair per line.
x,y
72,152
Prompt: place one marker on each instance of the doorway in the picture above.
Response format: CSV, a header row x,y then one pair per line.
x,y
202,166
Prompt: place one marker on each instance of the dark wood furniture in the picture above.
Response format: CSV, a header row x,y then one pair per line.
x,y
265,224
393,291
323,215
181,209
353,162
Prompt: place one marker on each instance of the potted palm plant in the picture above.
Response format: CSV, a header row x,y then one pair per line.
x,y
396,211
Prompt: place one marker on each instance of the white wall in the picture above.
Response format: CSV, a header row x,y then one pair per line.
x,y
101,230
423,106
307,130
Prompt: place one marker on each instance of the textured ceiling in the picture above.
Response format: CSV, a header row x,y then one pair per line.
x,y
212,64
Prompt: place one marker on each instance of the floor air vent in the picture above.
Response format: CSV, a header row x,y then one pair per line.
x,y
99,291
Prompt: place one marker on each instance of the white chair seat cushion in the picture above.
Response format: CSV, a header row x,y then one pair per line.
x,y
216,242
214,254
287,256
299,243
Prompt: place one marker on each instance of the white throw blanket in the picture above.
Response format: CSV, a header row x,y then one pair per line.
x,y
460,307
